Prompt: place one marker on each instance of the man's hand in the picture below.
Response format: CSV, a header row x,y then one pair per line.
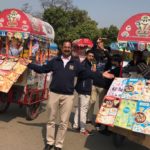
x,y
93,68
108,75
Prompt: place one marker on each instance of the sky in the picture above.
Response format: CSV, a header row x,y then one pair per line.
x,y
104,12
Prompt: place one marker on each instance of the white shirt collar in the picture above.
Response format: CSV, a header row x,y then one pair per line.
x,y
65,60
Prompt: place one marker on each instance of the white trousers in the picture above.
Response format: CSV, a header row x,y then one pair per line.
x,y
81,112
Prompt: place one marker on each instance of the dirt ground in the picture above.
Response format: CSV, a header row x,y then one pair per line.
x,y
16,133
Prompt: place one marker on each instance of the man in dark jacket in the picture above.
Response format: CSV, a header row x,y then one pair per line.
x,y
115,70
102,56
64,68
103,63
104,83
83,88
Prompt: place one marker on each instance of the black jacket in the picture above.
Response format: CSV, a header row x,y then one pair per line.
x,y
63,78
116,73
104,82
103,60
84,86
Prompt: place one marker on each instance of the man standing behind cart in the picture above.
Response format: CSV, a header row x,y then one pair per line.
x,y
103,63
64,68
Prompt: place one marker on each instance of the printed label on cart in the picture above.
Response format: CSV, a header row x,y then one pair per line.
x,y
134,89
108,110
117,87
142,118
125,115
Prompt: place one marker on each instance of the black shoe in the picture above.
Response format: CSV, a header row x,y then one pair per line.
x,y
57,148
48,147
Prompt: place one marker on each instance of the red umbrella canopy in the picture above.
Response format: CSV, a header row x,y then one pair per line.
x,y
136,28
83,42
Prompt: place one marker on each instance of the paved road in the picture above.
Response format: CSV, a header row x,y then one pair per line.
x,y
16,133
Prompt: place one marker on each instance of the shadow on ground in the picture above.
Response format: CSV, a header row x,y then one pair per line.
x,y
16,110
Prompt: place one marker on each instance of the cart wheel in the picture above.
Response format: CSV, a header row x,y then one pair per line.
x,y
118,140
3,105
32,111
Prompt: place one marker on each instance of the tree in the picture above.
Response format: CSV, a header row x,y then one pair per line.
x,y
110,34
70,24
64,4
48,3
113,32
88,29
26,7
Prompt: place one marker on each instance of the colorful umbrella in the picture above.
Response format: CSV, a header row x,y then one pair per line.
x,y
83,42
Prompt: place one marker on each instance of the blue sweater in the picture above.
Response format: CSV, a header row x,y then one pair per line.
x,y
63,77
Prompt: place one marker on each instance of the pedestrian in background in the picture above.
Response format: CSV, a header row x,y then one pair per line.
x,y
83,88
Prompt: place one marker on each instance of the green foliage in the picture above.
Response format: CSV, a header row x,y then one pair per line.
x,y
70,25
110,33
64,4
26,7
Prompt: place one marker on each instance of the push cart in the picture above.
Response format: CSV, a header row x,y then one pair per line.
x,y
134,35
18,84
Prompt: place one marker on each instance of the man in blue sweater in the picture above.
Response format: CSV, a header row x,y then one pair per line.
x,y
64,68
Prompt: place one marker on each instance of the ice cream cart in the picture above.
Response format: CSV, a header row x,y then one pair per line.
x,y
126,108
23,38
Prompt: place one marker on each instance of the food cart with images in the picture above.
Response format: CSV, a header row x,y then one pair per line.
x,y
23,39
126,107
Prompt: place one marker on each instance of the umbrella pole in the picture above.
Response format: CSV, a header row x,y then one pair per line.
x,y
30,48
121,67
